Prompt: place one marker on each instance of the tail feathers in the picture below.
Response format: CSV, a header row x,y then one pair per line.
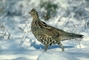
x,y
72,35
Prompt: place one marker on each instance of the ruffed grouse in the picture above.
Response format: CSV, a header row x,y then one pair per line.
x,y
47,34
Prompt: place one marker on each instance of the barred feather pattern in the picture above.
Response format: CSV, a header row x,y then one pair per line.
x,y
47,34
43,38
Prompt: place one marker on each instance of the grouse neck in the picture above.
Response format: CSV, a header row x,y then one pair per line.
x,y
36,19
35,16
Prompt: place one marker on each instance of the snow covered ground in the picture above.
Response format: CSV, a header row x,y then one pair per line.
x,y
22,45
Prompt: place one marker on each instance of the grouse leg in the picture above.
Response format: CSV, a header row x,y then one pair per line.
x,y
59,43
46,47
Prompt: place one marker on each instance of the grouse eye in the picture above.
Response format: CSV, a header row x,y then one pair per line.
x,y
31,12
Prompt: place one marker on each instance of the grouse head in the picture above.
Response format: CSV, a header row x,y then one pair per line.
x,y
34,14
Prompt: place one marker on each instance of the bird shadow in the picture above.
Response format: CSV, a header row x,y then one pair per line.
x,y
40,46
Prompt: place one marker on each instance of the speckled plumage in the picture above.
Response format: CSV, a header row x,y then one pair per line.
x,y
47,34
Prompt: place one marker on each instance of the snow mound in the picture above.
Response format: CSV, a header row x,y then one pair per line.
x,y
55,56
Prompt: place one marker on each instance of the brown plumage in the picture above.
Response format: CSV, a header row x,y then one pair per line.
x,y
47,34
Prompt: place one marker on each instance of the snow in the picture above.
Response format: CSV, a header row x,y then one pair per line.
x,y
18,43
55,55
